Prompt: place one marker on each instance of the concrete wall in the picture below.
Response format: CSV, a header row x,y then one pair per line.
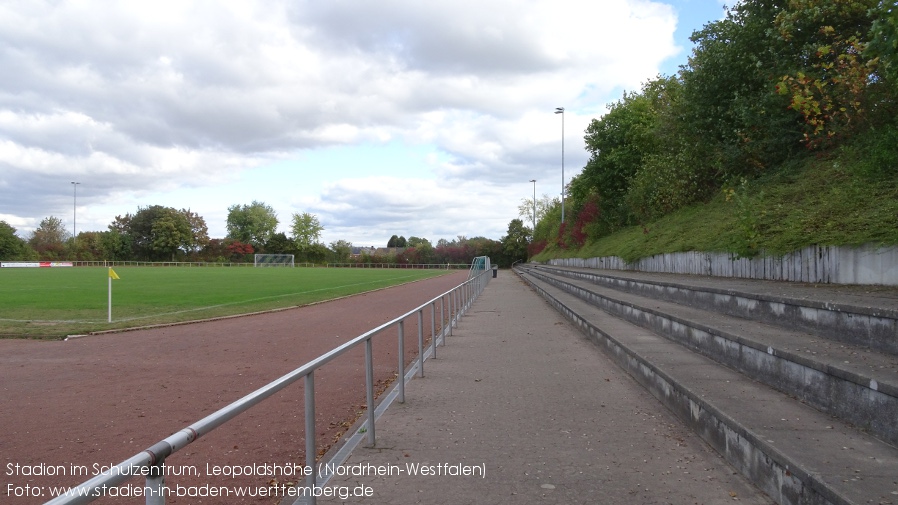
x,y
824,264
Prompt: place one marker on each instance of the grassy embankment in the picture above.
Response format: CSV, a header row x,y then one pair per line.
x,y
848,199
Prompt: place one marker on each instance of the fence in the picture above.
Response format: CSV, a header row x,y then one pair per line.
x,y
182,264
437,266
821,264
212,264
150,462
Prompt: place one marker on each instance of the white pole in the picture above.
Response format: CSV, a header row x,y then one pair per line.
x,y
110,298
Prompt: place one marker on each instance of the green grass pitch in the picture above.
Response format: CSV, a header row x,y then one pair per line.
x,y
55,302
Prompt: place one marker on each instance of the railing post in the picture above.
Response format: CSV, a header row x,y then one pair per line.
x,y
449,312
443,321
155,488
401,362
461,302
310,434
421,341
369,379
454,312
433,329
457,302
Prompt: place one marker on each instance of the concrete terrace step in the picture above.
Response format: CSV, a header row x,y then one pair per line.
x,y
859,315
794,452
853,383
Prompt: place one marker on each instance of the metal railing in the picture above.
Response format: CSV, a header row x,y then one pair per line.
x,y
150,462
430,266
178,264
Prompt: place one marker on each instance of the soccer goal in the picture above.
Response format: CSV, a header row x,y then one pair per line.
x,y
478,265
273,260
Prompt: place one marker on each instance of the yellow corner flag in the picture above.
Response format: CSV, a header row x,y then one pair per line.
x,y
112,275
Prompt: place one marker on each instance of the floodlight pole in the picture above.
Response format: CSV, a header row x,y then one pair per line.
x,y
534,204
560,110
74,210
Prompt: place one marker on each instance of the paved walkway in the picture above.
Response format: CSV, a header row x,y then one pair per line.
x,y
520,399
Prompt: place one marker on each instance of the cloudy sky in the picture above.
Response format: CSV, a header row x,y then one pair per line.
x,y
382,117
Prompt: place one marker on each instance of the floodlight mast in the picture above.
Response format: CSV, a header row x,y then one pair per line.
x,y
534,204
560,110
74,210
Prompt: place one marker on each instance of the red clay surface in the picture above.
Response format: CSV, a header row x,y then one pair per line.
x,y
98,400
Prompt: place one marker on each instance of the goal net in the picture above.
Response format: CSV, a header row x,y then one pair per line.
x,y
273,260
478,265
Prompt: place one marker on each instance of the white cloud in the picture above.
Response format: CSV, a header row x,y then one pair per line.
x,y
146,102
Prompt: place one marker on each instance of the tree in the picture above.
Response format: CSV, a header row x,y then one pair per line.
x,y
393,241
306,230
730,106
49,239
255,223
89,246
199,232
158,232
315,253
280,244
543,204
170,232
342,249
417,242
116,244
514,243
139,229
239,251
830,88
884,41
423,248
11,246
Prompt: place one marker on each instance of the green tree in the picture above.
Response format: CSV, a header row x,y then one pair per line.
x,y
423,247
49,239
254,224
832,87
883,44
199,232
515,242
139,229
729,100
116,245
525,208
88,246
547,227
315,253
12,247
619,144
417,242
171,232
158,232
341,250
306,230
280,244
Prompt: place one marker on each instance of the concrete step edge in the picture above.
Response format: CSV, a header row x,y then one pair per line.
x,y
874,327
860,399
780,476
